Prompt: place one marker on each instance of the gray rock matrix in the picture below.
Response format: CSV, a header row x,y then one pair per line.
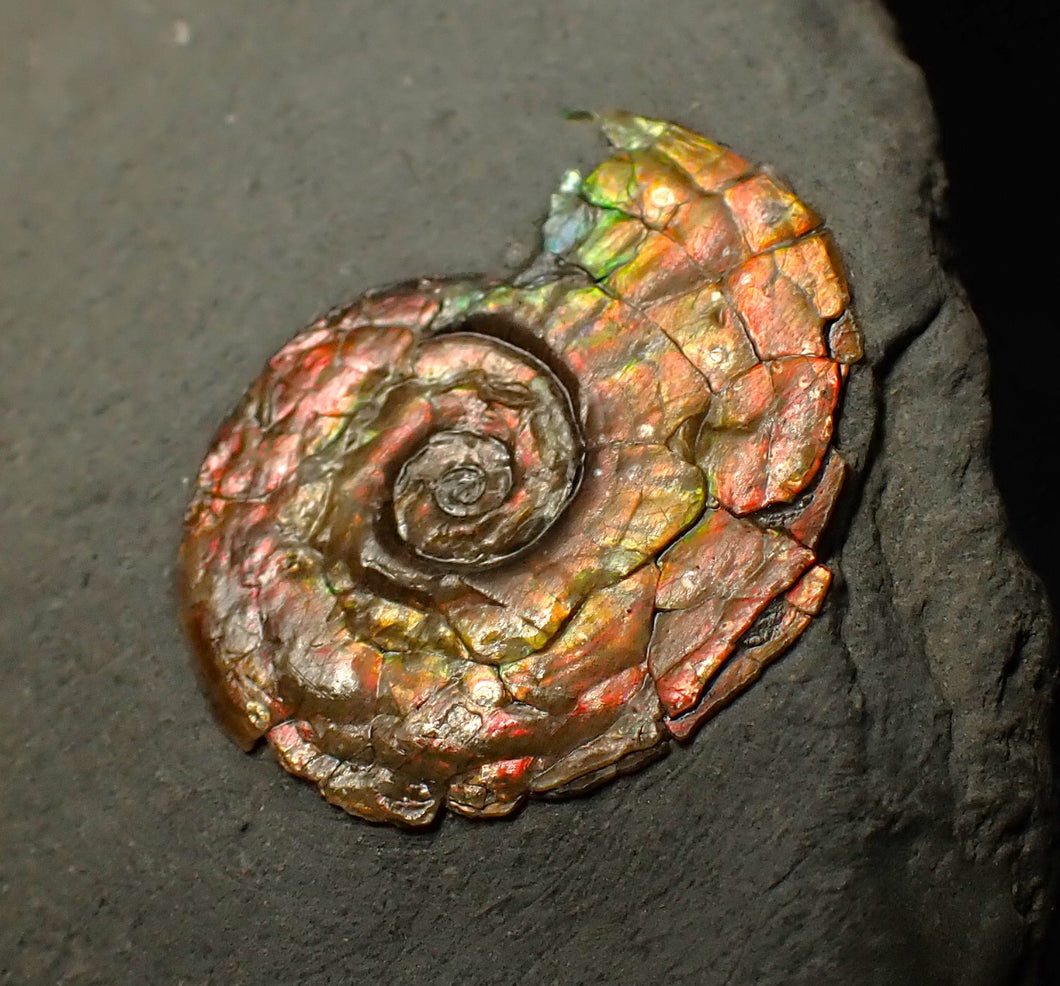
x,y
186,185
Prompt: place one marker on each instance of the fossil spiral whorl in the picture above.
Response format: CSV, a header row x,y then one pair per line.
x,y
465,541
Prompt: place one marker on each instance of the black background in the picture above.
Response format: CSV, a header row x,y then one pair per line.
x,y
991,68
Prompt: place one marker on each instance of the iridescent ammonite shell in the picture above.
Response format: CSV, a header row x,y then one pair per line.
x,y
465,541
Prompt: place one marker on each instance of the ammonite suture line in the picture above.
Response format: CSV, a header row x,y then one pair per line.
x,y
467,541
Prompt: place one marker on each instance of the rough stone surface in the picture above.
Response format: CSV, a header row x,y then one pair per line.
x,y
184,187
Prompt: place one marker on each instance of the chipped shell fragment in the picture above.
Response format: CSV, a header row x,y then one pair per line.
x,y
464,541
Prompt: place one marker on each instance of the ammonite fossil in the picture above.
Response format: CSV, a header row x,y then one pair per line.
x,y
466,541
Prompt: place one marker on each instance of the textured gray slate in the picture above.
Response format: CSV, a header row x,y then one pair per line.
x,y
184,186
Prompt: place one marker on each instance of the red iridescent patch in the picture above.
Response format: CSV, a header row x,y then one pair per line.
x,y
464,542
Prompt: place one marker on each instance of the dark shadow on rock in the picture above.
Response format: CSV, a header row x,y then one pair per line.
x,y
990,67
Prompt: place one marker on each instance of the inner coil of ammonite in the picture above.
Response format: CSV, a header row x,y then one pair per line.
x,y
467,541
